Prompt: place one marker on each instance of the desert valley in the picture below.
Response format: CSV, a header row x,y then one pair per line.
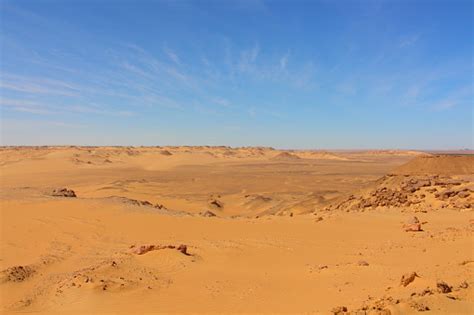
x,y
94,230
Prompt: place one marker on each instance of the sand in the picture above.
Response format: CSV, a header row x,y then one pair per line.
x,y
290,231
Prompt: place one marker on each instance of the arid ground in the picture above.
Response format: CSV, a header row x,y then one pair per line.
x,y
94,230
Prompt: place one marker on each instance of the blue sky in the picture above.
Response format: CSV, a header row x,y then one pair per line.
x,y
288,74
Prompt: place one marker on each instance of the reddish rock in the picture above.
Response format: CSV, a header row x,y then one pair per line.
x,y
207,214
463,194
339,310
216,203
183,249
413,227
408,278
143,249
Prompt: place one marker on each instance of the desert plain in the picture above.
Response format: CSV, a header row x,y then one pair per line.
x,y
134,230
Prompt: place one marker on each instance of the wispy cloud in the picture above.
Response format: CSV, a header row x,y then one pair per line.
x,y
42,108
221,101
458,97
172,55
33,85
409,40
26,106
248,58
284,61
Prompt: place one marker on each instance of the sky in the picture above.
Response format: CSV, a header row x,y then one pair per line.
x,y
287,74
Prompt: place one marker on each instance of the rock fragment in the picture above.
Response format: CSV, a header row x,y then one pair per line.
x,y
408,278
207,214
63,192
443,287
339,310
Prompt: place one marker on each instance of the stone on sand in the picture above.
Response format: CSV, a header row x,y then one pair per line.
x,y
63,192
408,278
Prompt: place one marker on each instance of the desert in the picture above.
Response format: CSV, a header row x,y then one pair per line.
x,y
93,230
237,157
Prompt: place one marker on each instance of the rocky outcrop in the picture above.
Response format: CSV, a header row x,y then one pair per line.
x,y
135,202
16,274
143,249
414,192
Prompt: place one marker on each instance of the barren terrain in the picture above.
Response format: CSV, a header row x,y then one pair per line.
x,y
93,230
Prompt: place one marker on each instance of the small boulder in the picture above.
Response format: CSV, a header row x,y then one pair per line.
x,y
413,225
443,287
63,192
339,310
464,285
216,203
183,249
207,214
408,278
463,194
413,220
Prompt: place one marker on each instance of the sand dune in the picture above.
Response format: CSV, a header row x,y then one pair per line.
x,y
285,156
234,230
438,164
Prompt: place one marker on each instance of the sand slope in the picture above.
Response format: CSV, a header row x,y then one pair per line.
x,y
439,164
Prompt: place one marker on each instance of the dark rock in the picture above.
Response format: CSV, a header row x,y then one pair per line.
x,y
63,192
183,249
216,203
339,310
443,287
207,214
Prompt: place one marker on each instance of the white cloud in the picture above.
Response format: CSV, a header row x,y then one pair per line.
x,y
409,41
284,62
248,58
221,101
172,55
36,86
